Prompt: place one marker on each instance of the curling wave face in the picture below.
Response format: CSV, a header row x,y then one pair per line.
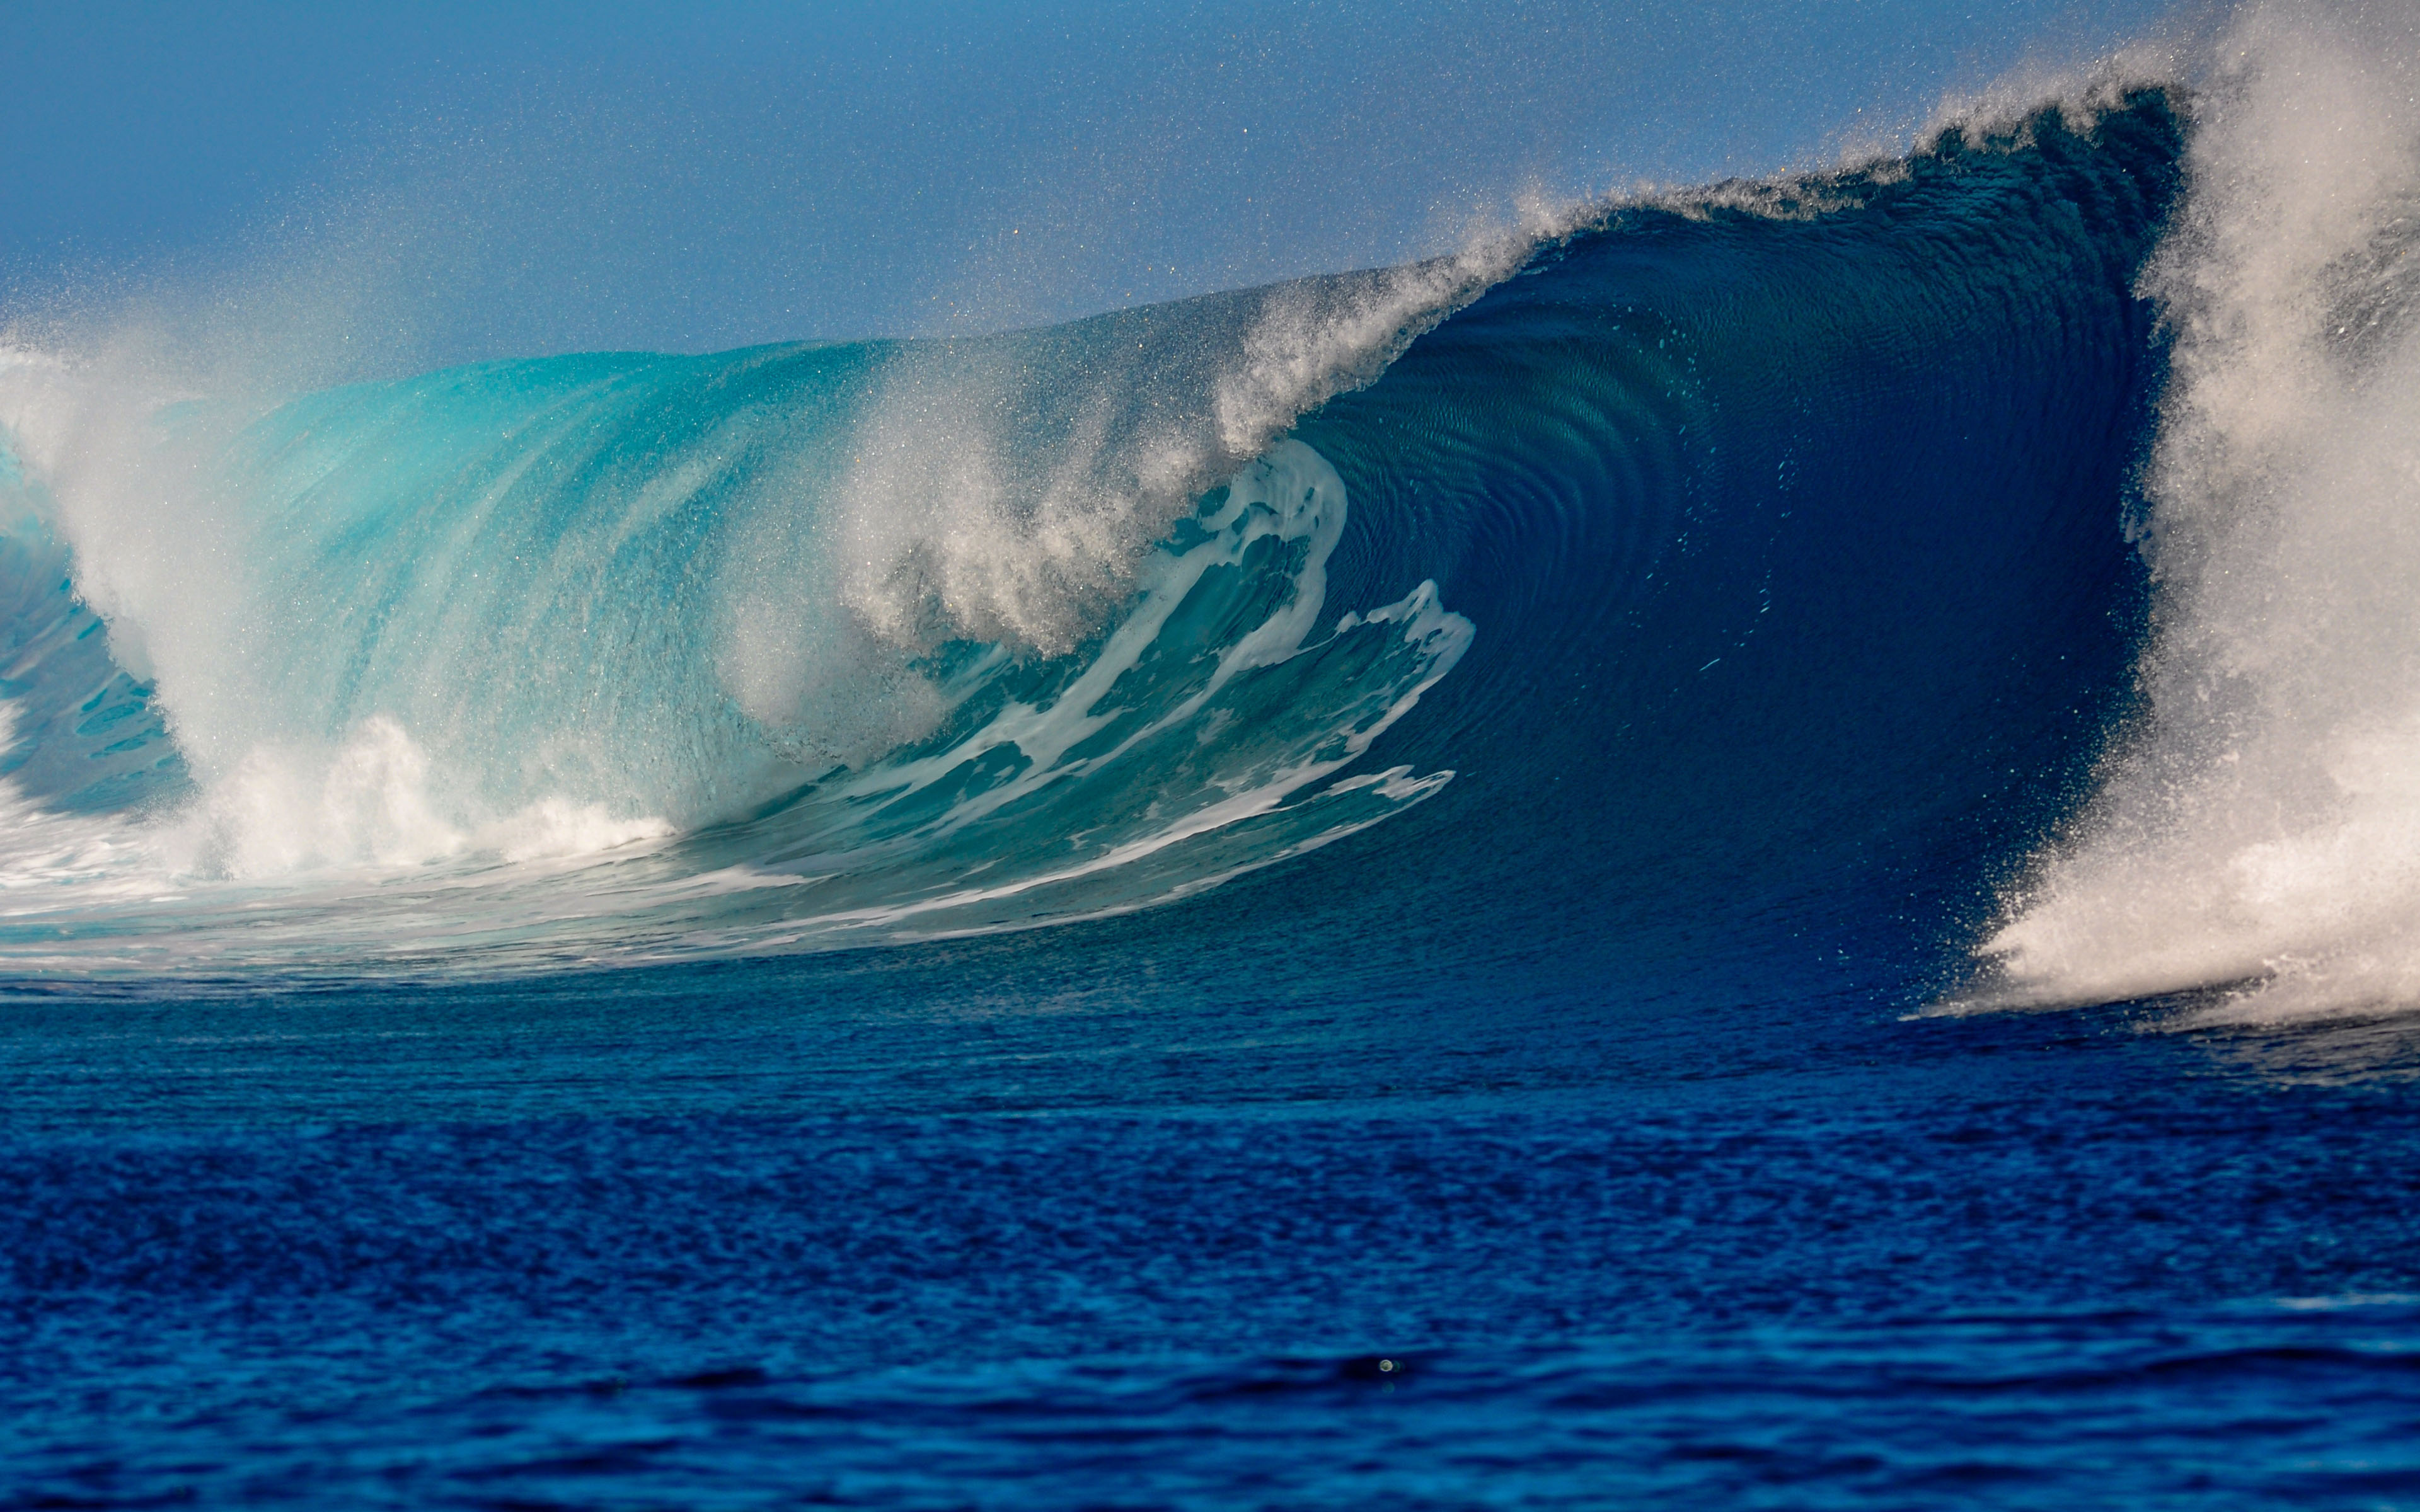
x,y
1727,588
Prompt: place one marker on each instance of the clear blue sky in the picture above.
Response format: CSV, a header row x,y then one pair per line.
x,y
540,177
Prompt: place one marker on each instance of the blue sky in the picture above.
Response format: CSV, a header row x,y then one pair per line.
x,y
506,177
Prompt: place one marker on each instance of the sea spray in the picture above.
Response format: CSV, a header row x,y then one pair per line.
x,y
2262,829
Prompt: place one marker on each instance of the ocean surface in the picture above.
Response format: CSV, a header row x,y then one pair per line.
x,y
1744,848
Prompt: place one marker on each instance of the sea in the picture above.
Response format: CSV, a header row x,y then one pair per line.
x,y
1753,845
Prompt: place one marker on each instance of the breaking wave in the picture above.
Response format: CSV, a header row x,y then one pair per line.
x,y
1979,575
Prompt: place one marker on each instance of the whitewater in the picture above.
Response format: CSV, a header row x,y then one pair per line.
x,y
2254,832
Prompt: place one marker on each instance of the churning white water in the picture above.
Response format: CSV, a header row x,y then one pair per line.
x,y
2260,830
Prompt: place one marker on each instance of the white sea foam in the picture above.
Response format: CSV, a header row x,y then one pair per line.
x,y
1292,495
2261,830
369,801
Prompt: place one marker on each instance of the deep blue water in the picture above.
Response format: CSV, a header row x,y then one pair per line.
x,y
992,1229
1568,1131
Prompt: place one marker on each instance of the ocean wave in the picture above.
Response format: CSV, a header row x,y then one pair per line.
x,y
1691,573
